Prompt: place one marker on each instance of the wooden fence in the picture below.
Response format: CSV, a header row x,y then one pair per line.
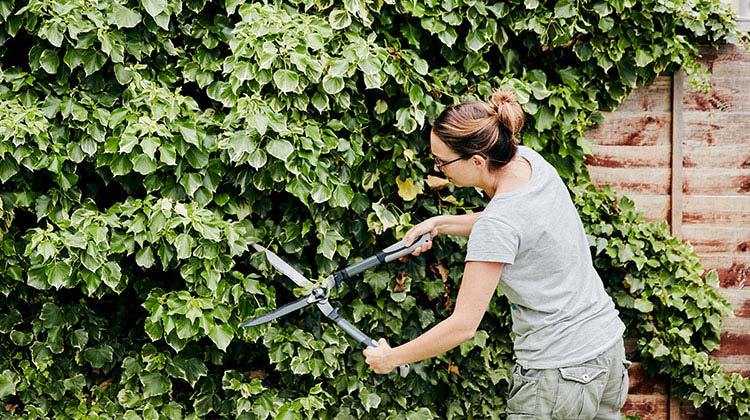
x,y
684,156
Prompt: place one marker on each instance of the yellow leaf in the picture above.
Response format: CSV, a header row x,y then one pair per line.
x,y
451,200
407,190
454,369
435,182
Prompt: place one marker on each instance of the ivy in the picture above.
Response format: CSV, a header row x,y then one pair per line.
x,y
145,145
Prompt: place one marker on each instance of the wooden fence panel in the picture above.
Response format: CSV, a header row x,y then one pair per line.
x,y
683,156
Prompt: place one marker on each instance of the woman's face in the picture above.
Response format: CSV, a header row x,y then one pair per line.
x,y
449,162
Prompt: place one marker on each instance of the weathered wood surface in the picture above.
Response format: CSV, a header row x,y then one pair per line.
x,y
618,156
655,208
633,129
634,154
721,239
647,397
716,128
733,269
633,180
734,354
656,180
712,181
717,209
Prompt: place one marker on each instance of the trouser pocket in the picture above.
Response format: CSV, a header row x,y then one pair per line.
x,y
579,391
522,393
625,385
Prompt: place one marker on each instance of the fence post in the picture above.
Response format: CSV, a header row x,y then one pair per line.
x,y
677,155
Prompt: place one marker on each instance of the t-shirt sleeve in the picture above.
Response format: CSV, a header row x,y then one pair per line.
x,y
492,240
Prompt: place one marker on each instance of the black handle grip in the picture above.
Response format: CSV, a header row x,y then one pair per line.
x,y
389,254
399,249
363,339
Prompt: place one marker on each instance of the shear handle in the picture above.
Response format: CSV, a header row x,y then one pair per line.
x,y
399,249
363,339
395,251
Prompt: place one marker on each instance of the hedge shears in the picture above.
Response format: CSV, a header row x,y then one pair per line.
x,y
318,294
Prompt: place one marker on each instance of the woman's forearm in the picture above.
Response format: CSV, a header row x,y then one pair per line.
x,y
477,288
437,340
441,225
459,224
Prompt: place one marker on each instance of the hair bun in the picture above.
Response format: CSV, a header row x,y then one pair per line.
x,y
500,98
507,111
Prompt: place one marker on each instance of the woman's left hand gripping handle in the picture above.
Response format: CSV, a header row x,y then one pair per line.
x,y
377,356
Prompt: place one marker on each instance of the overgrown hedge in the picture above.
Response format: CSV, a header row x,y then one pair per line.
x,y
145,145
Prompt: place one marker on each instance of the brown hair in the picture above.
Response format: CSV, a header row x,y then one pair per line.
x,y
486,128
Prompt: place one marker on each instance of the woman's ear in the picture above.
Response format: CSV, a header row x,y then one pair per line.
x,y
478,160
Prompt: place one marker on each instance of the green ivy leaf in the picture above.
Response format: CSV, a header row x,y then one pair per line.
x,y
154,384
99,355
8,382
21,339
475,41
286,80
405,121
79,338
369,399
280,149
37,277
145,257
51,315
191,370
123,17
6,8
58,273
643,305
49,61
545,118
184,245
565,9
386,217
144,165
221,335
321,193
339,19
154,7
332,84
643,58
369,65
154,329
8,168
343,196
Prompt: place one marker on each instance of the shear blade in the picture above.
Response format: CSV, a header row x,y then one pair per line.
x,y
285,268
279,312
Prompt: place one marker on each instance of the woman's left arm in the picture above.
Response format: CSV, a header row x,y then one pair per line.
x,y
477,288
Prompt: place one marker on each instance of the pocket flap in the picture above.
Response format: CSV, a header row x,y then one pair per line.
x,y
583,373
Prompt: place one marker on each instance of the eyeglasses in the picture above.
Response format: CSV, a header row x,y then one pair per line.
x,y
439,163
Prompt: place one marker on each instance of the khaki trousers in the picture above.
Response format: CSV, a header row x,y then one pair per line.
x,y
596,389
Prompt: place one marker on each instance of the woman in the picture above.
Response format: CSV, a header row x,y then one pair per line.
x,y
529,241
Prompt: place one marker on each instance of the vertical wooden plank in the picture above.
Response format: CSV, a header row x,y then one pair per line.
x,y
677,154
676,190
674,407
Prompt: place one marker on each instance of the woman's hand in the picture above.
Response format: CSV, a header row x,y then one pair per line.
x,y
379,357
428,226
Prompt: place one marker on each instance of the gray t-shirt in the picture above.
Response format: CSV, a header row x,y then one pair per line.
x,y
561,314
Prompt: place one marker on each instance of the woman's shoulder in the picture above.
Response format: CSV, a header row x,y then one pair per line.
x,y
536,160
526,151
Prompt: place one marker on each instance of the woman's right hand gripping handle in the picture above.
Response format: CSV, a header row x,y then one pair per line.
x,y
427,226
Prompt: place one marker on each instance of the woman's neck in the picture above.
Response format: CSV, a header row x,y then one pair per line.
x,y
512,176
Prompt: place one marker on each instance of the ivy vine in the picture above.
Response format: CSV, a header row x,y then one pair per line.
x,y
145,145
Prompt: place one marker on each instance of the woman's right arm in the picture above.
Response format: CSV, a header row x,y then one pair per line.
x,y
459,224
448,224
